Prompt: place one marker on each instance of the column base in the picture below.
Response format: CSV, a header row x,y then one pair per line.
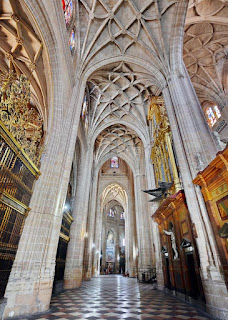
x,y
87,276
72,284
2,306
26,302
58,287
160,281
132,274
216,296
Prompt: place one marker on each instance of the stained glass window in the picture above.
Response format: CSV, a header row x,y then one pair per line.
x,y
84,108
72,41
112,213
114,162
68,10
211,116
122,216
217,112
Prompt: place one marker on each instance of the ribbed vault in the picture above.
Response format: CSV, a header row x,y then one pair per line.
x,y
21,50
120,92
114,192
134,28
117,140
206,49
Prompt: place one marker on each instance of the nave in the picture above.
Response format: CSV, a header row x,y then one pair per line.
x,y
113,154
115,297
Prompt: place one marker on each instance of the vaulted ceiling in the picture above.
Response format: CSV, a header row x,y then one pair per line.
x,y
141,30
120,93
22,51
114,192
117,140
123,36
206,49
133,29
126,48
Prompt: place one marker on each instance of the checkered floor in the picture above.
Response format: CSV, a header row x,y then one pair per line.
x,y
115,297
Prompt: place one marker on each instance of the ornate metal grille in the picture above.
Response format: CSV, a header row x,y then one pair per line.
x,y
62,250
61,259
17,177
11,225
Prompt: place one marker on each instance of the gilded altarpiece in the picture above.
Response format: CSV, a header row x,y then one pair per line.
x,y
20,150
213,181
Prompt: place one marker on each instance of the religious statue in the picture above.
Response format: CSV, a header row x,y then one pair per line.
x,y
220,143
173,241
199,161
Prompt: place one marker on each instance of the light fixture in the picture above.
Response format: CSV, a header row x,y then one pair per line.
x,y
66,207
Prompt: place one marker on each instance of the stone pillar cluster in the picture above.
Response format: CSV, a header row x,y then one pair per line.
x,y
116,82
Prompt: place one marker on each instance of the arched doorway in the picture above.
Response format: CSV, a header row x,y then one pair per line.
x,y
113,240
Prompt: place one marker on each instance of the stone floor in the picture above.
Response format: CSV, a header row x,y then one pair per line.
x,y
115,297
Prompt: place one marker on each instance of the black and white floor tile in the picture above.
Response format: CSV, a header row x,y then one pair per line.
x,y
114,297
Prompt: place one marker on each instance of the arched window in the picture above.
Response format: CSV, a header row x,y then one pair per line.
x,y
72,41
217,112
112,213
122,217
211,117
213,114
115,162
68,10
84,113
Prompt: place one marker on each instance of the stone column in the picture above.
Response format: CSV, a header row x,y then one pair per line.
x,y
222,101
117,252
75,251
91,227
142,217
99,242
29,287
30,284
158,257
151,206
155,236
195,149
130,233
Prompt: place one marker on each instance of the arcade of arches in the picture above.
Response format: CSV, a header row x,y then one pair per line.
x,y
101,100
